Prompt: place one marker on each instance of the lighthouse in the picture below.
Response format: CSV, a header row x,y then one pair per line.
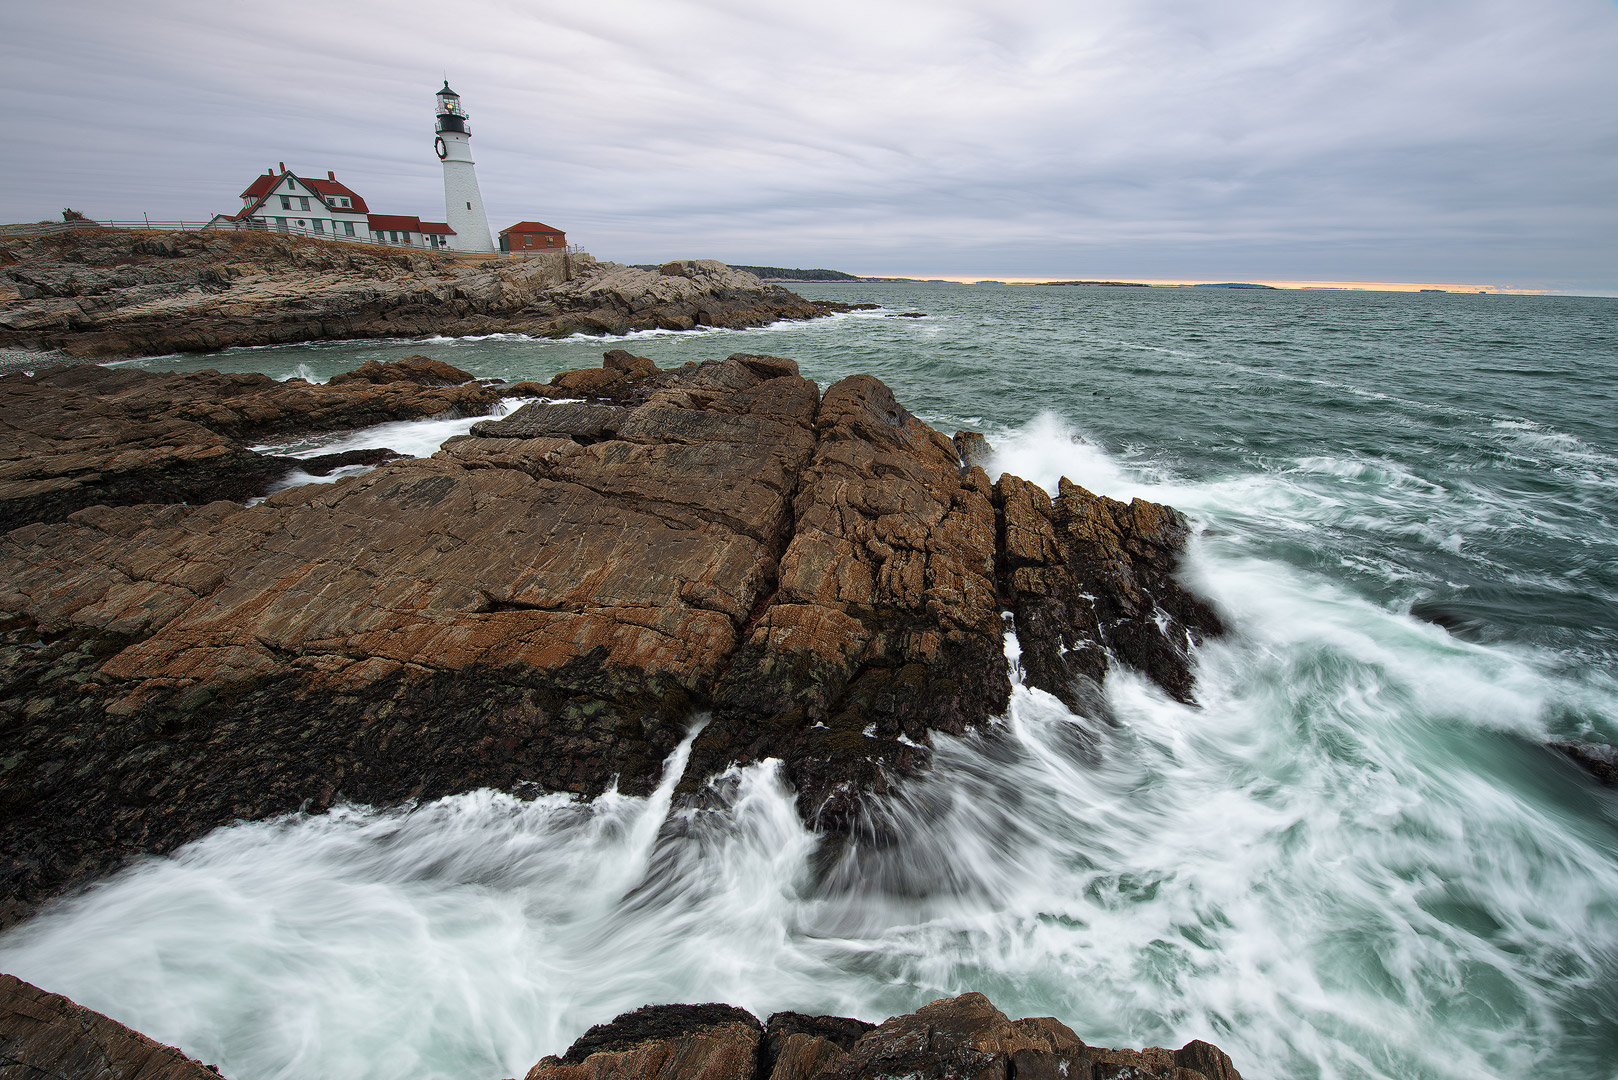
x,y
463,203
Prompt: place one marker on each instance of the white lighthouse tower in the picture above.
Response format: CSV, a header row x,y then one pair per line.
x,y
463,203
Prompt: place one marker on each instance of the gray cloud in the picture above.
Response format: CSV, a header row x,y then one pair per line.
x,y
1447,140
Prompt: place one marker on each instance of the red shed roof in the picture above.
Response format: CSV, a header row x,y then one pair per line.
x,y
396,221
531,227
436,227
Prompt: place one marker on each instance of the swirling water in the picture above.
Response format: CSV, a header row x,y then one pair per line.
x,y
1356,859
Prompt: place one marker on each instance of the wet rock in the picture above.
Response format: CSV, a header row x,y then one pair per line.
x,y
1091,580
48,1037
114,292
798,1046
421,370
662,1042
960,1037
1597,759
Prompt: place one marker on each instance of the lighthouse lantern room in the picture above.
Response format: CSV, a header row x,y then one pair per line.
x,y
463,203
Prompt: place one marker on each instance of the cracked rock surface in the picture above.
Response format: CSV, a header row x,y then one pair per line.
x,y
544,604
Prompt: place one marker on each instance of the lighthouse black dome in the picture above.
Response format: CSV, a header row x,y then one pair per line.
x,y
447,92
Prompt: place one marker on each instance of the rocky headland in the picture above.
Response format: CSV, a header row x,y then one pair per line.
x,y
103,293
46,1035
548,603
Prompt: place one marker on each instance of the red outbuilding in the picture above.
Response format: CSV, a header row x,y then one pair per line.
x,y
530,236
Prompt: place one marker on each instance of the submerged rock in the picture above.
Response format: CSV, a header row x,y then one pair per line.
x,y
544,604
965,1037
118,292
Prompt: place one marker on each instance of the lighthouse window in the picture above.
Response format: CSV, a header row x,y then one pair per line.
x,y
286,203
469,206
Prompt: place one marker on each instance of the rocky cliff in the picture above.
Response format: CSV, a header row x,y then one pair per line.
x,y
44,1035
117,292
546,603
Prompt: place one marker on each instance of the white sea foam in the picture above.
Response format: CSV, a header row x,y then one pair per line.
x,y
409,438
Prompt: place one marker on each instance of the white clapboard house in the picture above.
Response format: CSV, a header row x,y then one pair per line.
x,y
282,201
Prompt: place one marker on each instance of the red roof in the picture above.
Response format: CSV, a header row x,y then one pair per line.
x,y
262,184
396,221
329,188
531,227
266,183
436,227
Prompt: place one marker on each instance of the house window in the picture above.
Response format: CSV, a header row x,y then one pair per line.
x,y
258,221
303,204
550,241
320,226
407,237
280,222
286,203
348,228
342,201
291,185
393,234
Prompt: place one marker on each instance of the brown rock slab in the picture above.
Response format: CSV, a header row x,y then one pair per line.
x,y
662,1042
45,1036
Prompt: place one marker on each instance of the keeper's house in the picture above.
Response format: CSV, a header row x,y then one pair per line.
x,y
285,202
528,237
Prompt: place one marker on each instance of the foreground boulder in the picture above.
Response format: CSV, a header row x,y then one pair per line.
x,y
119,292
44,1036
545,604
963,1037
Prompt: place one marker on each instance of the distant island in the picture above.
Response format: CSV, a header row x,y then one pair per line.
x,y
782,273
1230,285
1111,284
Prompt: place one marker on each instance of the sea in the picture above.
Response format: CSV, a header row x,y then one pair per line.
x,y
1355,857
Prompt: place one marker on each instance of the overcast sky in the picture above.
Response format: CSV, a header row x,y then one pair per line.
x,y
1424,140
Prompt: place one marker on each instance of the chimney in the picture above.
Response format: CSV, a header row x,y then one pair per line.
x,y
283,166
331,176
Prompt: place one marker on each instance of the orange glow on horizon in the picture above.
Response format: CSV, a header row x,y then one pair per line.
x,y
1363,286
